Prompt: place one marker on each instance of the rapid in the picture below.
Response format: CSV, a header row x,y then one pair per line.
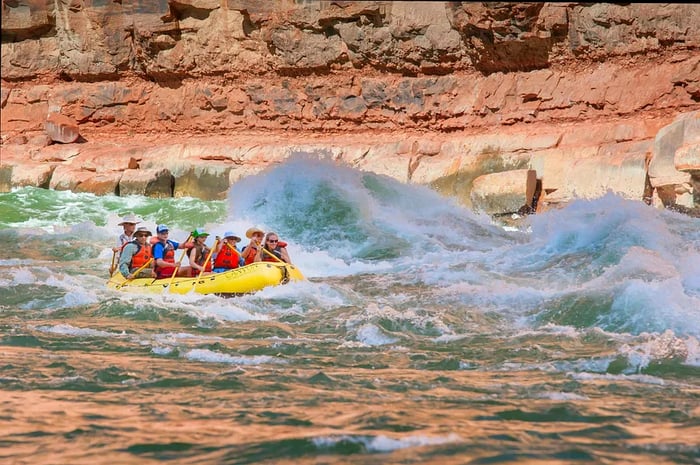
x,y
425,333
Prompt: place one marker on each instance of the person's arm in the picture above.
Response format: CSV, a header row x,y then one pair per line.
x,y
219,244
183,245
249,249
259,253
192,257
285,255
125,260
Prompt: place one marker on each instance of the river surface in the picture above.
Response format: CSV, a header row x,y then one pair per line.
x,y
424,334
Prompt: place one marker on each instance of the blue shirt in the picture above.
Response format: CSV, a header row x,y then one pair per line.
x,y
159,249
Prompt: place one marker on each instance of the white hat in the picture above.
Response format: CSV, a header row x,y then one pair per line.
x,y
228,234
130,218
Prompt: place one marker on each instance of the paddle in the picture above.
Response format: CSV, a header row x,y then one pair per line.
x,y
112,267
208,258
238,254
135,273
184,252
272,255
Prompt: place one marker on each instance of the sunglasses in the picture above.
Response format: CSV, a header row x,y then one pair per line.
x,y
142,235
272,240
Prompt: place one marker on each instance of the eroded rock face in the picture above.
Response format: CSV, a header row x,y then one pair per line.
x,y
576,92
154,182
673,147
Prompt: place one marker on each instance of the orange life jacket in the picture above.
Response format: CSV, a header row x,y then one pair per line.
x,y
251,256
227,258
141,257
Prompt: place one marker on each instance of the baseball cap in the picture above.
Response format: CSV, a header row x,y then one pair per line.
x,y
162,228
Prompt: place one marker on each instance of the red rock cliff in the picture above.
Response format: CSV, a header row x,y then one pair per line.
x,y
450,91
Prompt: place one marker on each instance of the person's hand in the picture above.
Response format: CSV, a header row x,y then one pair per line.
x,y
115,249
153,273
218,239
189,245
130,276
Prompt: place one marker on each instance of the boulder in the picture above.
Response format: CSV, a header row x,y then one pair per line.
x,y
590,172
505,192
39,140
673,185
61,128
662,168
156,183
101,184
32,174
67,178
687,159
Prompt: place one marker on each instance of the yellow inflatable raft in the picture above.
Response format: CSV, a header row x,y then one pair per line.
x,y
244,280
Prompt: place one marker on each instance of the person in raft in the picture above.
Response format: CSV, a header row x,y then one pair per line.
x,y
255,235
199,254
128,223
226,253
273,250
136,254
164,254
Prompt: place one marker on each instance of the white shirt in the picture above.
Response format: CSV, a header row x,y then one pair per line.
x,y
123,239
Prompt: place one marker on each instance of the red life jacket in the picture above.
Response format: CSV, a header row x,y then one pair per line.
x,y
227,258
168,256
141,257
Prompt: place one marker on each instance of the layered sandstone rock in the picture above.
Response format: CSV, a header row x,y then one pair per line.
x,y
675,186
448,91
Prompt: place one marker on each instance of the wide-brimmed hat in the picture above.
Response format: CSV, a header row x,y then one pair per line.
x,y
130,218
249,233
199,233
230,234
142,229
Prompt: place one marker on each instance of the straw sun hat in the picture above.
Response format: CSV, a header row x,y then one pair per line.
x,y
249,233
